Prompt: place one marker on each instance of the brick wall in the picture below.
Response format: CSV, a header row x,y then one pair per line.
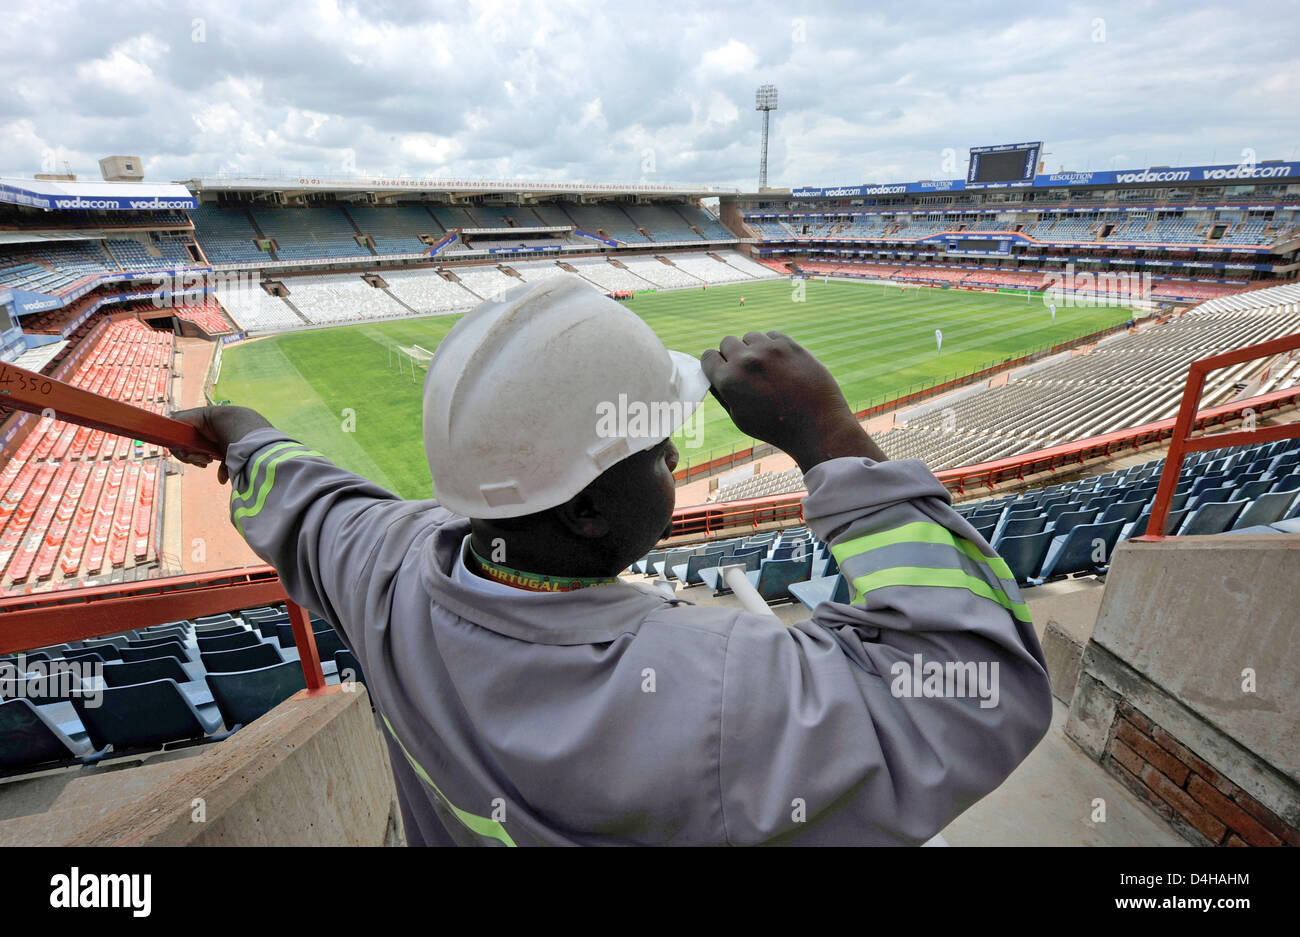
x,y
1198,801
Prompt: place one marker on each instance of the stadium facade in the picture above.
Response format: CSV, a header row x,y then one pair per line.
x,y
1197,231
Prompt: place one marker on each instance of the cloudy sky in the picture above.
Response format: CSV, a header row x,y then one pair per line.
x,y
624,91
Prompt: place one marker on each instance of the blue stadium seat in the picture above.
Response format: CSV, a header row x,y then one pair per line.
x,y
1062,507
1265,509
243,696
1019,527
348,667
55,685
218,631
1212,518
30,739
643,565
144,715
144,671
244,658
228,642
664,568
1024,554
689,572
1287,482
1139,526
773,578
1086,548
328,643
1126,511
711,576
268,627
822,589
82,655
170,649
105,651
1067,521
1221,493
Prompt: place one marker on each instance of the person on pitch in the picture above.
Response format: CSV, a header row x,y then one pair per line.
x,y
530,696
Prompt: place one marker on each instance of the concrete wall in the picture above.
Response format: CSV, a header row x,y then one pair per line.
x,y
1193,613
311,772
1163,703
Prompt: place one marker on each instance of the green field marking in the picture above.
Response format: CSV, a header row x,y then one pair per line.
x,y
875,341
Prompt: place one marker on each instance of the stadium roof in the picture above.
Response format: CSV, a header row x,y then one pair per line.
x,y
101,196
1269,171
390,186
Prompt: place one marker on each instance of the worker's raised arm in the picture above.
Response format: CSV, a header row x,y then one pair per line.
x,y
317,524
893,713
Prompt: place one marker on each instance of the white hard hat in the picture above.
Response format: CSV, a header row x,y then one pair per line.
x,y
531,397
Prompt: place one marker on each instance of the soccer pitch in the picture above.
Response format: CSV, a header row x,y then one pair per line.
x,y
335,390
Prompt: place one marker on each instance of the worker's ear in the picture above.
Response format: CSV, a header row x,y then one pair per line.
x,y
582,516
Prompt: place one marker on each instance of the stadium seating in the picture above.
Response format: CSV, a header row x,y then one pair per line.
x,y
30,739
609,277
343,298
486,282
314,233
660,274
136,707
73,497
428,293
1084,395
243,696
227,235
396,229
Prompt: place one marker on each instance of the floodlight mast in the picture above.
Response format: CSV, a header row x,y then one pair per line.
x,y
765,101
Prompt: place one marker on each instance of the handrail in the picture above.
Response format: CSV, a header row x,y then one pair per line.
x,y
21,389
1182,442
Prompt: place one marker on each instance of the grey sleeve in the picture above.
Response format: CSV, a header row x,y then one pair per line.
x,y
882,720
316,523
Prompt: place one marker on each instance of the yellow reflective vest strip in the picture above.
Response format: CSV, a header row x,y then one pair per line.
x,y
480,826
923,533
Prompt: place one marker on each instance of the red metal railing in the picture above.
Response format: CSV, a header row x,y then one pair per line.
x,y
1182,442
87,613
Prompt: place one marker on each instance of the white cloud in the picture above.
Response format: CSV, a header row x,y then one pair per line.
x,y
734,58
577,89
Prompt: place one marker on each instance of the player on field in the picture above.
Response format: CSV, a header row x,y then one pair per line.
x,y
530,696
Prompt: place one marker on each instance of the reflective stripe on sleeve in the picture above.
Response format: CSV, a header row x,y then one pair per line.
x,y
268,482
924,554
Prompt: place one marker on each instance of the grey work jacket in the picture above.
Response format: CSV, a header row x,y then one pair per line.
x,y
614,715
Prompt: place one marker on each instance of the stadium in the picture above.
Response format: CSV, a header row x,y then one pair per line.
x,y
1101,367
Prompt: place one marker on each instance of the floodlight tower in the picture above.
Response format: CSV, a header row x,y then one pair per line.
x,y
765,101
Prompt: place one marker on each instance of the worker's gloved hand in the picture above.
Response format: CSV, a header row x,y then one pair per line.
x,y
220,425
775,390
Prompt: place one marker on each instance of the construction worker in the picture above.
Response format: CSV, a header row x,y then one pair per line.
x,y
529,696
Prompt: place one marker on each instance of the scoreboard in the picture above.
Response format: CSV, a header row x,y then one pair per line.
x,y
1010,165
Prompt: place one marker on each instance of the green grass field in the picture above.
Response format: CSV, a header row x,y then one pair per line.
x,y
875,341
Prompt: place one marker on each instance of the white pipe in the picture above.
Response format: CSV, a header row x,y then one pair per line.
x,y
736,580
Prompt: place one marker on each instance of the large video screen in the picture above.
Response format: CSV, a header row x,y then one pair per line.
x,y
1009,164
1001,167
